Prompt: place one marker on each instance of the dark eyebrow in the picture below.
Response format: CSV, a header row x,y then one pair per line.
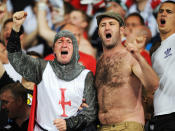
x,y
160,10
112,22
168,10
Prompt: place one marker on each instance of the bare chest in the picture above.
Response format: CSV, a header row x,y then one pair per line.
x,y
112,71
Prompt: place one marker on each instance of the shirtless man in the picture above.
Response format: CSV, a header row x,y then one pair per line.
x,y
121,73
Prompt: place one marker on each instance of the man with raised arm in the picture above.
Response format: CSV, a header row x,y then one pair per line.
x,y
61,84
120,75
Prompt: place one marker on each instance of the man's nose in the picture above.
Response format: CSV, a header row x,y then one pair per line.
x,y
107,27
164,13
64,44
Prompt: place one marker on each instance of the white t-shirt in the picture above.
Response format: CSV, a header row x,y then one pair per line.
x,y
163,61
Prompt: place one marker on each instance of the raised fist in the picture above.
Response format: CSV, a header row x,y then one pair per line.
x,y
18,20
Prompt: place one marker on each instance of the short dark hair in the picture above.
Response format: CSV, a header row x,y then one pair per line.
x,y
7,21
17,90
137,15
11,20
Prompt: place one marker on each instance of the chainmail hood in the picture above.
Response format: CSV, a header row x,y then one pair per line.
x,y
72,69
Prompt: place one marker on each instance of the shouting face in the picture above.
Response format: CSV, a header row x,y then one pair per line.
x,y
109,32
63,50
166,19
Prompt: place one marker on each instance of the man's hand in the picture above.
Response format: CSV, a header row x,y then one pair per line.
x,y
133,49
60,124
18,20
83,105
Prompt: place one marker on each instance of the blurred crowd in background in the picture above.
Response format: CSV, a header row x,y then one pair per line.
x,y
47,17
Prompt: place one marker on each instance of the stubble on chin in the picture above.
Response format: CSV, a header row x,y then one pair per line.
x,y
109,46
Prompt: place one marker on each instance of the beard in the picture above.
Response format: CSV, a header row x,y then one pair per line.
x,y
110,46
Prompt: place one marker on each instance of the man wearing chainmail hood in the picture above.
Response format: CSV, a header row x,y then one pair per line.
x,y
61,84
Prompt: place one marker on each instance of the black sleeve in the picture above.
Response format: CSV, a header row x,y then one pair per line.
x,y
14,44
5,79
28,67
89,114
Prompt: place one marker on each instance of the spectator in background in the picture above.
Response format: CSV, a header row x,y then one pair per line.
x,y
163,60
8,71
115,6
134,22
14,100
4,77
88,6
76,17
4,80
45,31
140,35
3,53
4,13
56,79
60,16
6,30
81,20
28,39
145,8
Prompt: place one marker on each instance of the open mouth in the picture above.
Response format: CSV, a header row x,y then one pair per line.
x,y
108,35
162,21
64,52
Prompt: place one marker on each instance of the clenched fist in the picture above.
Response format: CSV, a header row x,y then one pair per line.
x,y
60,124
18,20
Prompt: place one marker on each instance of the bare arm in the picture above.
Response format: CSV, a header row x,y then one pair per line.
x,y
144,71
28,39
2,70
43,28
